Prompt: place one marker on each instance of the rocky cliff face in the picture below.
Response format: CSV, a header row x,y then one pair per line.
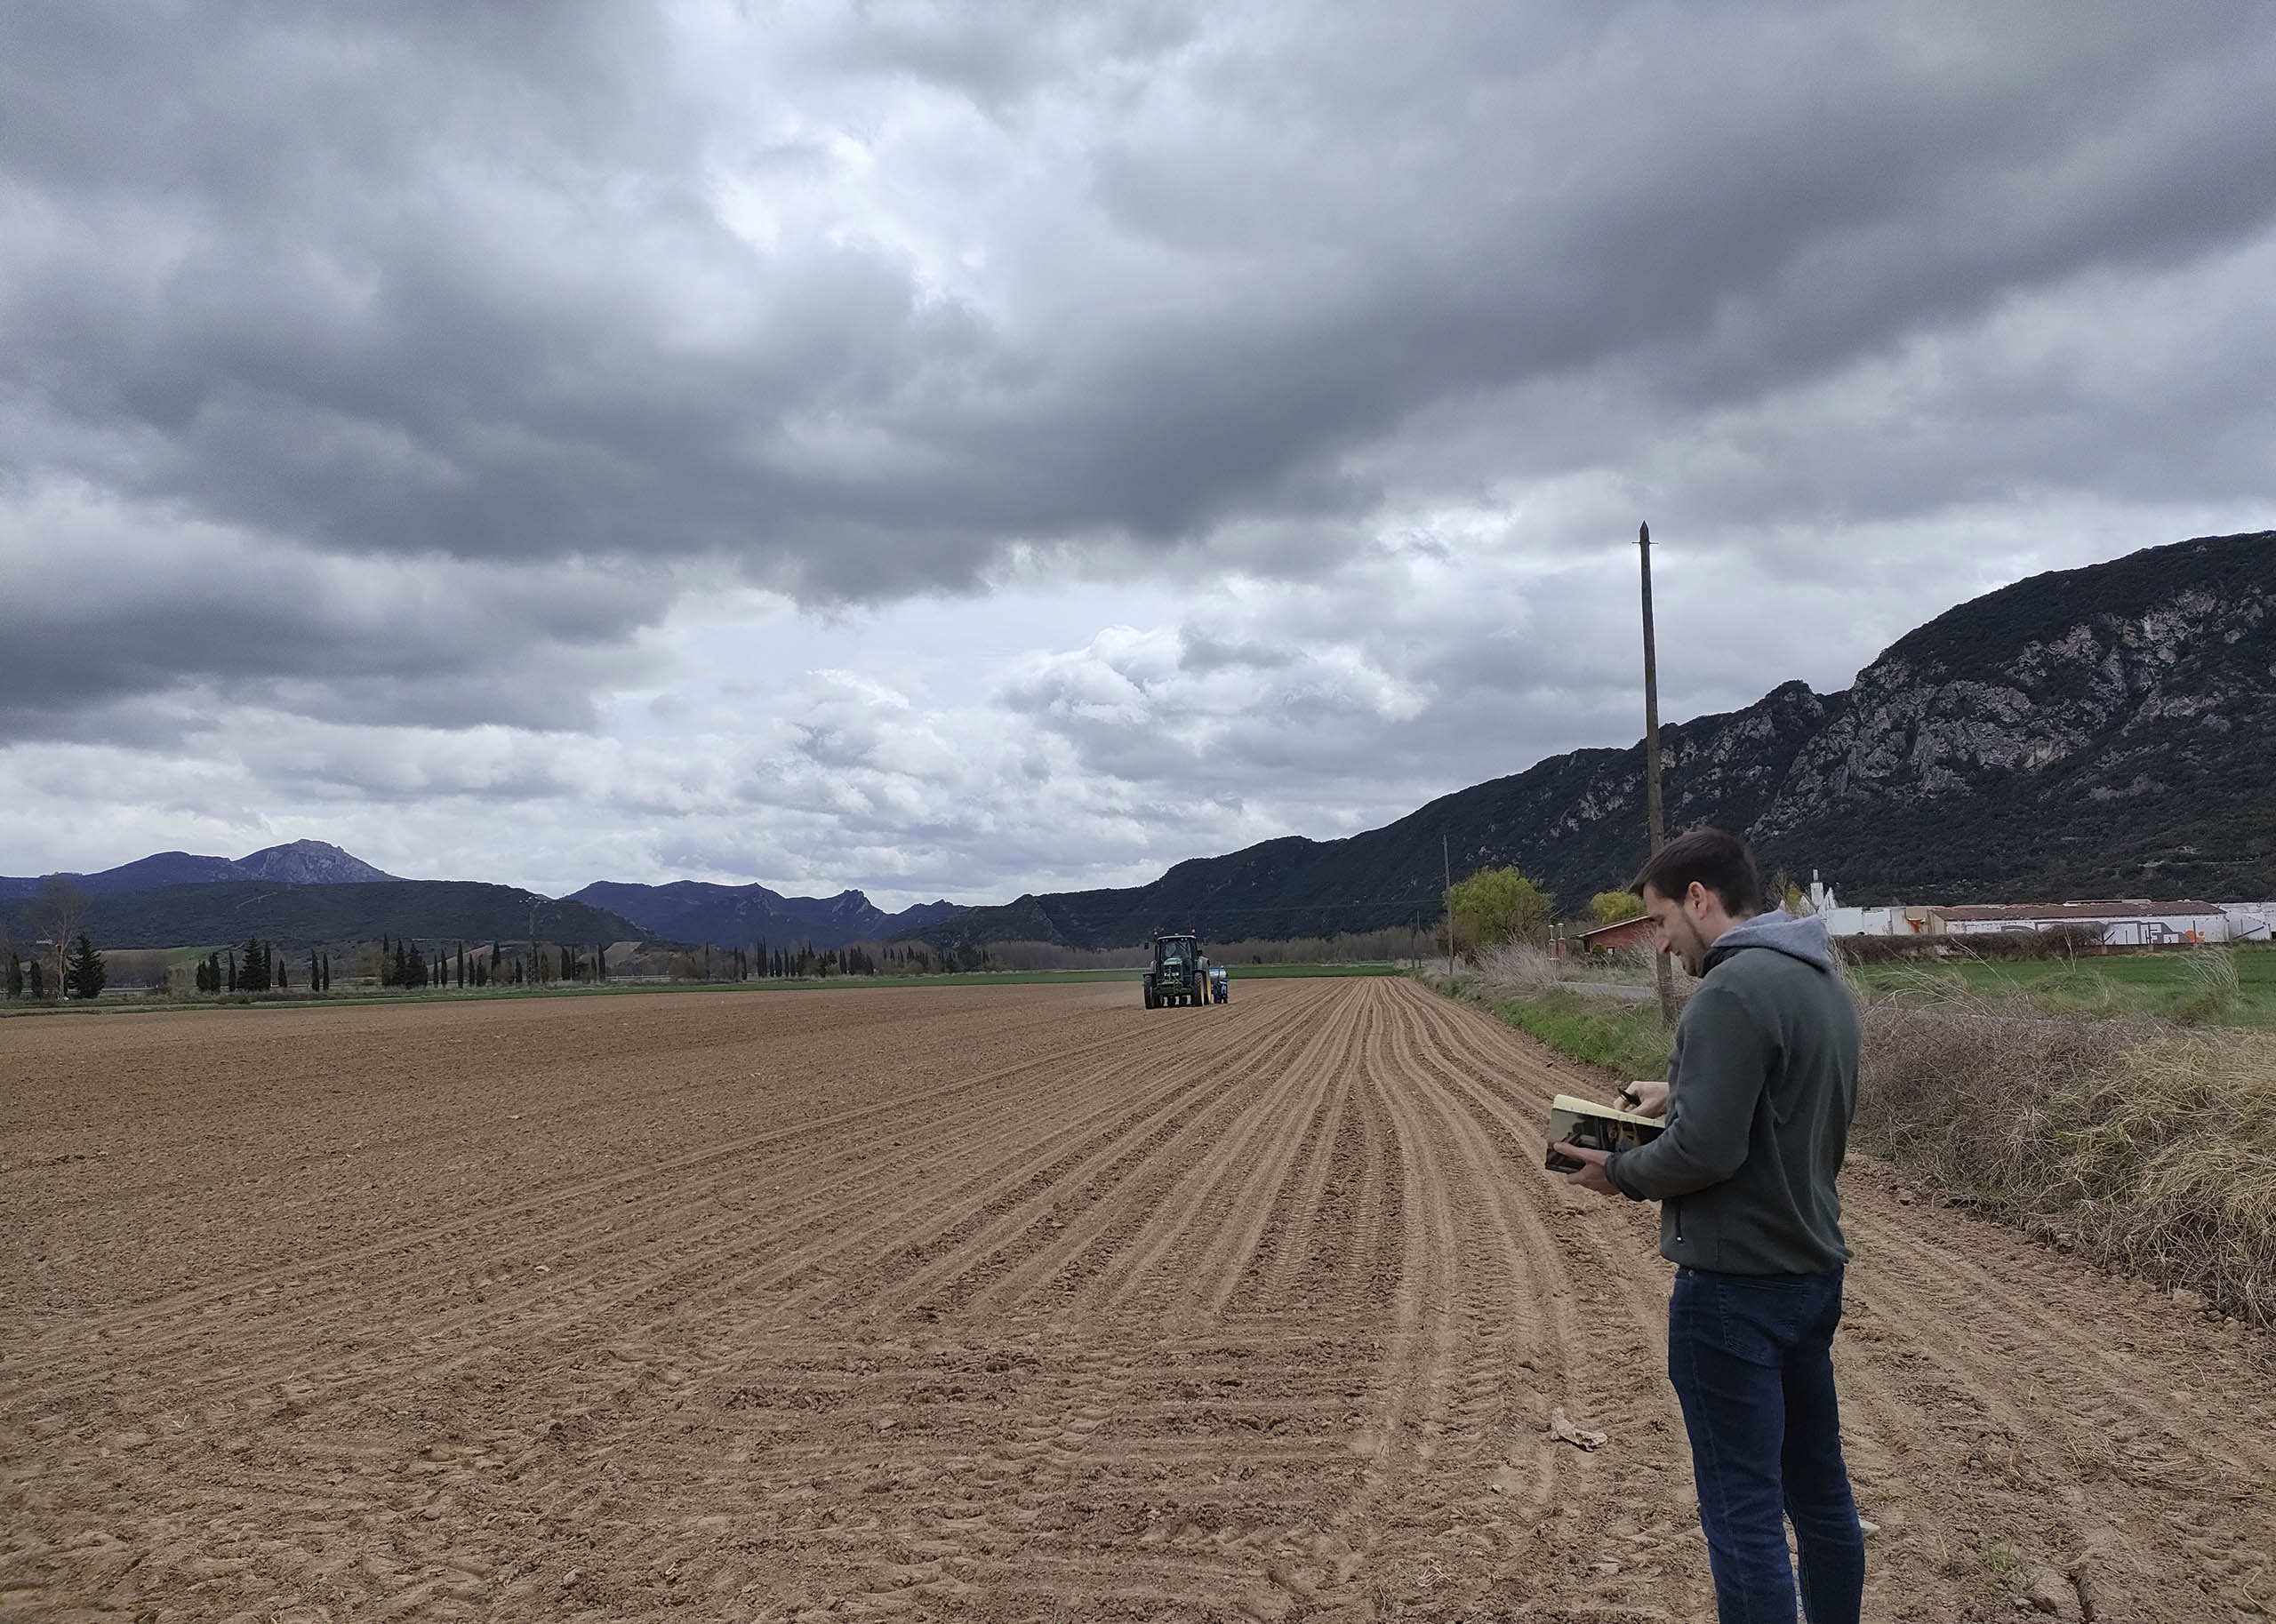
x,y
2109,730
308,862
2168,656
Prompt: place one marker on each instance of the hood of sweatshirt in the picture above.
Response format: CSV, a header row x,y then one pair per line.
x,y
1804,939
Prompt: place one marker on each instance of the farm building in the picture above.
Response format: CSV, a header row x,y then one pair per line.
x,y
2127,924
1894,920
2251,921
1627,933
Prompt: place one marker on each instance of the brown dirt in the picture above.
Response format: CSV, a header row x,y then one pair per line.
x,y
1000,1303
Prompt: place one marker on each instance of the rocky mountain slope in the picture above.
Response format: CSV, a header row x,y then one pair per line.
x,y
737,915
301,862
2087,732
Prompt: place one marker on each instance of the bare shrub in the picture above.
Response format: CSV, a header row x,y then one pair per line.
x,y
1520,966
1963,1093
1885,949
2145,1148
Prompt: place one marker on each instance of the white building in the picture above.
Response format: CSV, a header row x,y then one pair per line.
x,y
2250,921
2133,923
1894,920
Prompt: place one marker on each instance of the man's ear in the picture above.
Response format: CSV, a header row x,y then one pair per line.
x,y
1695,895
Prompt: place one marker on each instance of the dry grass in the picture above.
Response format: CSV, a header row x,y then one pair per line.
x,y
1519,967
2145,1147
2166,1162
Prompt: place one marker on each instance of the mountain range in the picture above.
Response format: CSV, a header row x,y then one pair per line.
x,y
301,862
286,893
737,915
2099,731
298,916
2102,732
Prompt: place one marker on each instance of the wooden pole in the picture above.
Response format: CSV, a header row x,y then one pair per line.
x,y
1448,861
1662,972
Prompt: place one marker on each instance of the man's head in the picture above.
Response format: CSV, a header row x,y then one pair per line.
x,y
1695,887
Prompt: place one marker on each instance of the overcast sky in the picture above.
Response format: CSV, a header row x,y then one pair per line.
x,y
963,450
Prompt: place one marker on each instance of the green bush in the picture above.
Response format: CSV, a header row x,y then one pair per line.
x,y
1499,905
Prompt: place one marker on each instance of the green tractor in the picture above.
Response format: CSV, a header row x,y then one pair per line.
x,y
1180,975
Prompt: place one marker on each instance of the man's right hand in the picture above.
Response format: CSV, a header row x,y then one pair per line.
x,y
1651,1098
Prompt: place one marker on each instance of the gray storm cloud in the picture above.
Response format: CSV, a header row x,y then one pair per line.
x,y
404,368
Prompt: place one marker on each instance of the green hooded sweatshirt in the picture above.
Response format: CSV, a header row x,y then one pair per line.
x,y
1762,1083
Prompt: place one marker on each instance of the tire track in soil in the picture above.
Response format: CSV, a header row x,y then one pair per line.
x,y
574,1246
1251,1313
2110,1480
1515,1329
656,1209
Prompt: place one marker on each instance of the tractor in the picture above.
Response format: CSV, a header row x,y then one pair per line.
x,y
1180,975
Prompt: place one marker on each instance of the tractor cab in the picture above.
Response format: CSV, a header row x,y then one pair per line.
x,y
1180,975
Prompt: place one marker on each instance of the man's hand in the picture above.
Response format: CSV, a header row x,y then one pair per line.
x,y
1646,1098
1591,1175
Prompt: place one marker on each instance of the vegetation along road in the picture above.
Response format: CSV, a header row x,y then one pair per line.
x,y
1004,1302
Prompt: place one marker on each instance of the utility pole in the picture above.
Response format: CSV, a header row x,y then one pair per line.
x,y
1662,972
1445,857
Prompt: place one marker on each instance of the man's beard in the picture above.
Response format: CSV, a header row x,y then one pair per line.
x,y
1690,950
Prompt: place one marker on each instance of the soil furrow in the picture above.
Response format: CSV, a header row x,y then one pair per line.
x,y
989,1303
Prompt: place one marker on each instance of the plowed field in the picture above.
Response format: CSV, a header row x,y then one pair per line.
x,y
1002,1303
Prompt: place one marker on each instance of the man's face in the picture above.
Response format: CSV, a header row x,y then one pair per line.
x,y
1679,932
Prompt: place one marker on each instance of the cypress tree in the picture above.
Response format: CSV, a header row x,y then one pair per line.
x,y
39,981
83,976
229,972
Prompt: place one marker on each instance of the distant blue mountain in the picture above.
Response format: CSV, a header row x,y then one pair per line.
x,y
737,915
688,911
302,862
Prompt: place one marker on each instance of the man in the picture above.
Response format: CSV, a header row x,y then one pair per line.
x,y
1761,1083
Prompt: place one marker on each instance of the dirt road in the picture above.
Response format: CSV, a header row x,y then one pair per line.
x,y
1000,1303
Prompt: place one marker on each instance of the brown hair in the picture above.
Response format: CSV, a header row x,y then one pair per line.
x,y
1718,861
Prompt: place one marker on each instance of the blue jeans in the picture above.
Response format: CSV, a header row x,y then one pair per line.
x,y
1752,1357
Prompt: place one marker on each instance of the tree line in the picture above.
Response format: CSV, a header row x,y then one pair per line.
x,y
70,966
